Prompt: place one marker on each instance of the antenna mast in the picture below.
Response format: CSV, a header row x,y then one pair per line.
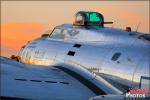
x,y
138,26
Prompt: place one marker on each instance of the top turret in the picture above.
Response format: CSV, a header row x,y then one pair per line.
x,y
87,18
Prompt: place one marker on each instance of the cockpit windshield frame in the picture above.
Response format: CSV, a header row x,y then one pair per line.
x,y
64,33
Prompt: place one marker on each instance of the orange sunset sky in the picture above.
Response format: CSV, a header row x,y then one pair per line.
x,y
22,21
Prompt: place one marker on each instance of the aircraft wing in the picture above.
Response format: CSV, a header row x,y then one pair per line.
x,y
58,82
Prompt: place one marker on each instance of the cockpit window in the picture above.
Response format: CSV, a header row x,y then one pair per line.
x,y
63,33
57,34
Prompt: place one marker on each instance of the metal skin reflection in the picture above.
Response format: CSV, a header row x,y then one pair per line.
x,y
95,56
96,50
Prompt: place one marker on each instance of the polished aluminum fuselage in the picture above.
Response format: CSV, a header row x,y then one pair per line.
x,y
95,50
